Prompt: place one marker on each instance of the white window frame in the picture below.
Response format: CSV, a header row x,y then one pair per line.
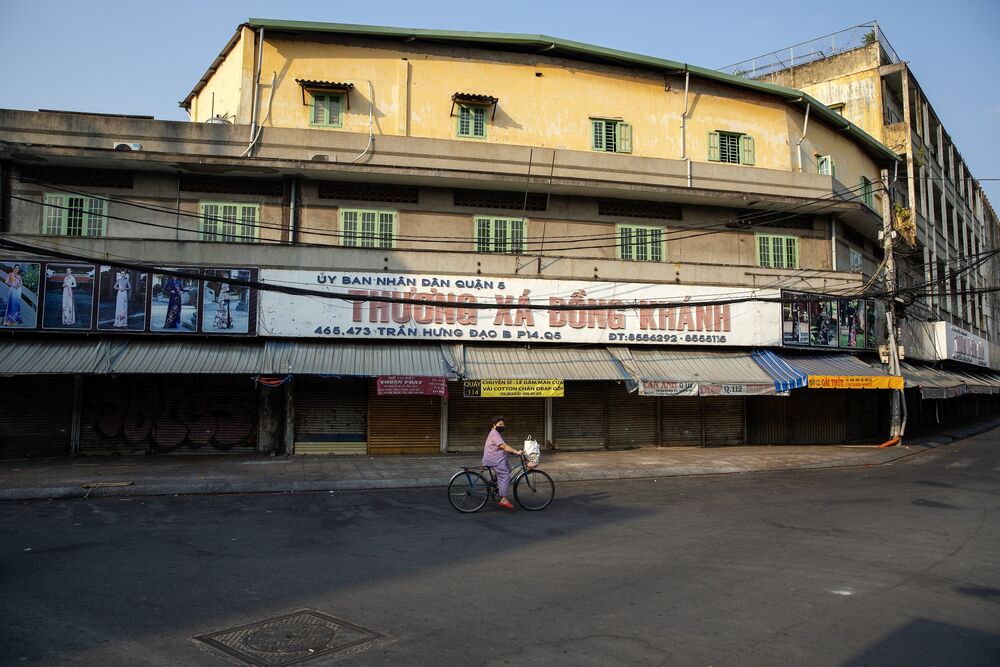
x,y
777,251
368,228
494,234
229,221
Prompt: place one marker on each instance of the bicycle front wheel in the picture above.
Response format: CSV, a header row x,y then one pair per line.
x,y
534,490
468,491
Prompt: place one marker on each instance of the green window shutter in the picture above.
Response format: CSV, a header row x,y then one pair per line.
x,y
777,252
230,222
55,215
319,110
249,230
624,138
209,222
517,236
479,122
625,242
791,253
464,121
96,219
597,135
386,229
764,251
746,149
713,147
368,229
656,245
349,220
74,216
334,112
483,235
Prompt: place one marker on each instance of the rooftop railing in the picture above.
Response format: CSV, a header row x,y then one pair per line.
x,y
814,50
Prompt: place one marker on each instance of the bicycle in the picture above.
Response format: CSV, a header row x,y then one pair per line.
x,y
469,490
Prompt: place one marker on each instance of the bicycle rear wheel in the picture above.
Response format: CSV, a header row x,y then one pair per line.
x,y
468,491
534,490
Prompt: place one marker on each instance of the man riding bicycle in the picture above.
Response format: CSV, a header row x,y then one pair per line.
x,y
495,456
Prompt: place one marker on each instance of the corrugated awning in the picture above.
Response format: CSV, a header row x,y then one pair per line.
x,y
51,357
537,363
352,359
670,372
979,382
933,382
177,357
840,371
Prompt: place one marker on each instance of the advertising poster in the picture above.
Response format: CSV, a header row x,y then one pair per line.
x,y
19,294
69,296
853,324
512,388
121,299
228,308
174,302
795,324
823,325
516,310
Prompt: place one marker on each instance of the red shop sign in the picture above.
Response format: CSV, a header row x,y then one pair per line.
x,y
411,385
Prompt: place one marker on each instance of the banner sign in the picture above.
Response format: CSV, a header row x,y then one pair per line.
x,y
564,311
855,382
662,388
844,324
740,389
410,385
513,388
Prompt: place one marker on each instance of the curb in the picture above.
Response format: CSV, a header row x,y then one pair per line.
x,y
873,458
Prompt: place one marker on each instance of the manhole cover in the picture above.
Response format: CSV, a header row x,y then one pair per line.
x,y
289,639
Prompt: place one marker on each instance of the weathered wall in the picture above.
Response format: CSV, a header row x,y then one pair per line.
x,y
231,84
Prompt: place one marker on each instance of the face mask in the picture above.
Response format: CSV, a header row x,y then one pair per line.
x,y
500,429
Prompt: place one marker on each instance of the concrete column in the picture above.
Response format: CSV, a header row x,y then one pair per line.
x,y
74,438
289,414
270,420
444,425
549,425
403,97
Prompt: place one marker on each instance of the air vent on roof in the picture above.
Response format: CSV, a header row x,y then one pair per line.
x,y
127,146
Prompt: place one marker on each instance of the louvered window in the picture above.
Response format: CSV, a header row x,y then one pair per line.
x,y
731,148
500,235
824,165
472,121
368,228
328,110
611,136
867,193
643,244
777,252
230,222
74,215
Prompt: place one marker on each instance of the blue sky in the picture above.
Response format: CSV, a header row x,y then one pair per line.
x,y
127,56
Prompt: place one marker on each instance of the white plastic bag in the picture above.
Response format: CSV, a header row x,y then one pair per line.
x,y
532,452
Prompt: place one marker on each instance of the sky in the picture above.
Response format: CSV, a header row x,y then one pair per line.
x,y
128,56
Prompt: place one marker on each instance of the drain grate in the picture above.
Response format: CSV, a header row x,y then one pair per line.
x,y
290,639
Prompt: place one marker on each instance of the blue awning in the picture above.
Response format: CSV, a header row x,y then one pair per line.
x,y
785,377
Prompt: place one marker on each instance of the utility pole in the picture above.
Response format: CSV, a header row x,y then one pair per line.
x,y
888,241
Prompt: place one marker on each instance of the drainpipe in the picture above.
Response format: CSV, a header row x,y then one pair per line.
x,y
256,84
684,155
833,243
805,128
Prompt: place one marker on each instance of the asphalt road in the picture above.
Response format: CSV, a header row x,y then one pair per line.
x,y
892,565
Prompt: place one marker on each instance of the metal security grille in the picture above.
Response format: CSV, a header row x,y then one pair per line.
x,y
631,419
580,417
331,416
235,186
514,201
398,194
729,147
99,178
469,419
650,210
37,415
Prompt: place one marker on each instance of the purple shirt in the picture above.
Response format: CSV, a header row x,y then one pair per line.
x,y
492,454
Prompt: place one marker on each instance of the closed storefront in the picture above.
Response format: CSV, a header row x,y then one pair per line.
x,y
163,414
714,421
806,417
631,418
37,416
469,419
864,409
331,416
580,417
403,424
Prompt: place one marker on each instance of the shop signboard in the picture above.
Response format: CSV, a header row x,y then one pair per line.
x,y
825,322
943,341
516,310
410,385
513,388
670,388
855,382
666,388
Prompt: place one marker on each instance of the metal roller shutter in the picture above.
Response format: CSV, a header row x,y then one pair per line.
x,y
817,416
403,424
469,419
724,419
631,419
580,417
861,408
331,416
37,416
182,414
768,421
681,422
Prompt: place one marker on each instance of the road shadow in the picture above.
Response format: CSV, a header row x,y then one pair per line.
x,y
927,642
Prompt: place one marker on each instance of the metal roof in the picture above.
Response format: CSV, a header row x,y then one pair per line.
x,y
933,382
353,359
785,377
557,47
711,366
50,357
536,363
831,364
180,357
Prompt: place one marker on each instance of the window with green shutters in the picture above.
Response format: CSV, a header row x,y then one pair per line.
x,y
825,166
731,148
368,228
642,244
74,215
611,136
777,252
471,121
500,235
328,110
229,222
867,193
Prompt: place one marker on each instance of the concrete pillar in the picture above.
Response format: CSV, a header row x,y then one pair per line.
x,y
444,424
289,417
549,425
74,437
270,419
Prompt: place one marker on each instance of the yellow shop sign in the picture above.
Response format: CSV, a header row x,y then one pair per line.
x,y
513,388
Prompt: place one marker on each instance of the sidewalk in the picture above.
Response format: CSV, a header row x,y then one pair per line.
x,y
169,475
